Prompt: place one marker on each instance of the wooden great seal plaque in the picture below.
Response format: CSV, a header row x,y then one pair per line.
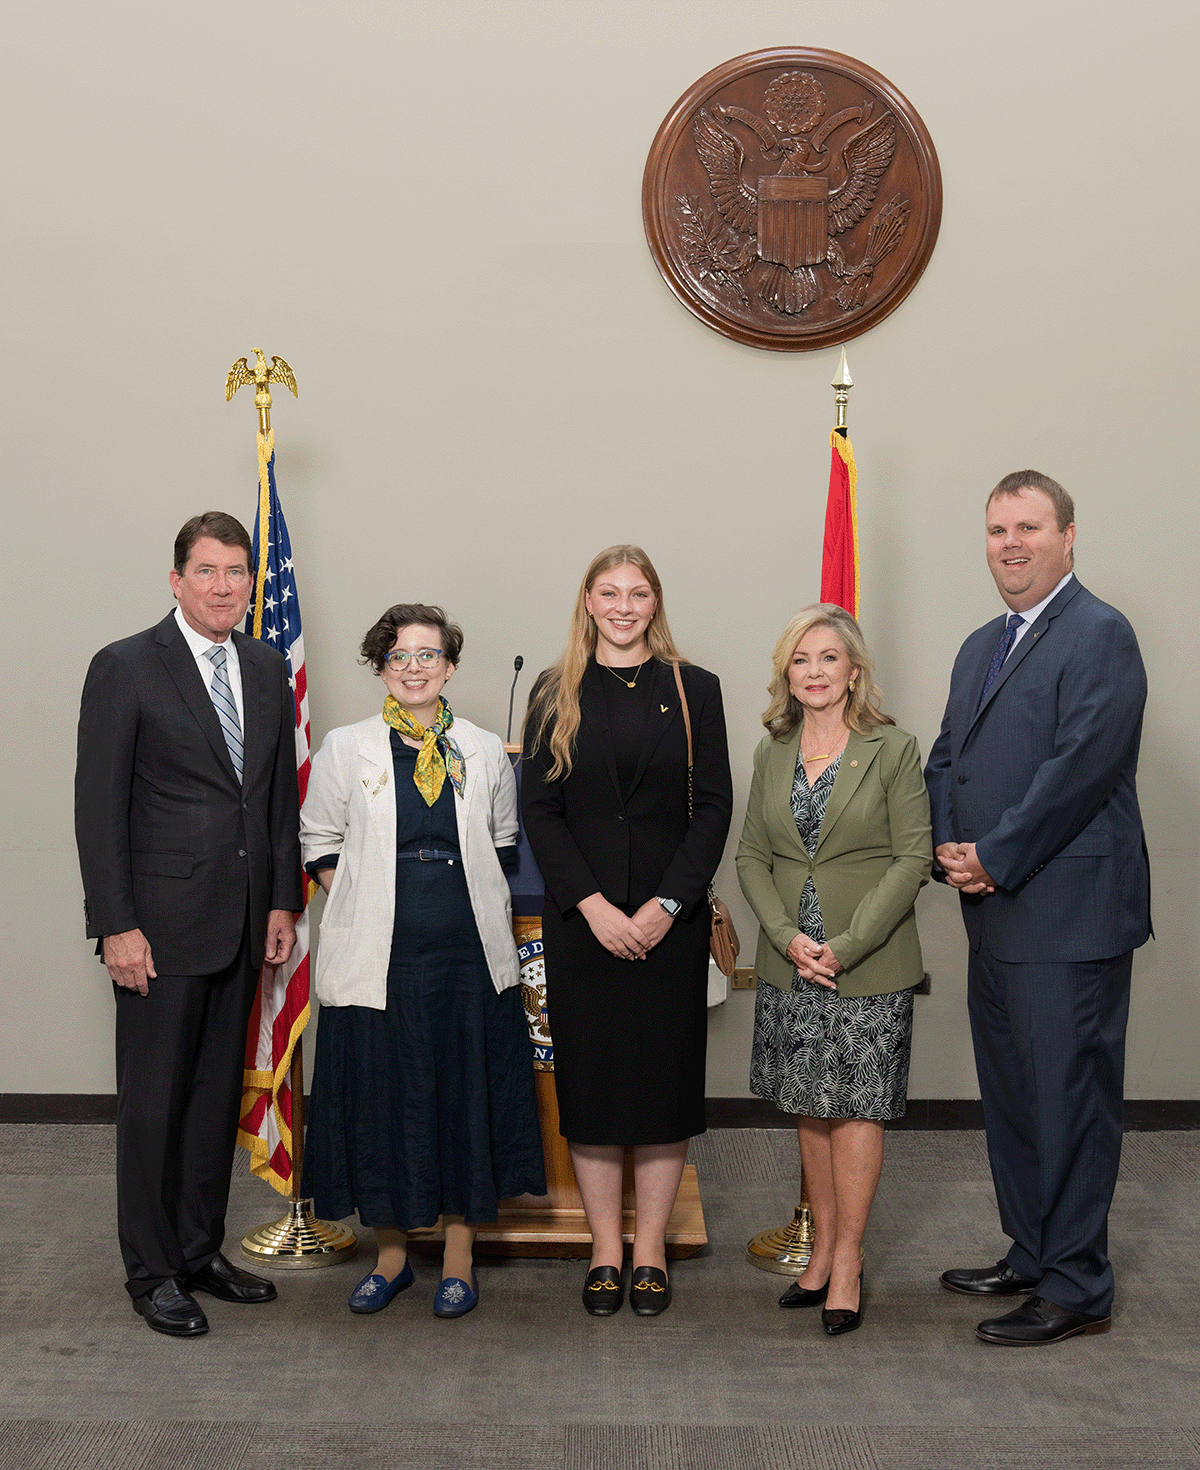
x,y
792,198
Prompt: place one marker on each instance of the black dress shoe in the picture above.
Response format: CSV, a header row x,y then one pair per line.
x,y
1037,1321
800,1296
836,1320
649,1291
603,1291
997,1280
169,1309
220,1278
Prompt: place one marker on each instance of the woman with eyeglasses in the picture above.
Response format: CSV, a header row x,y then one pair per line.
x,y
423,1099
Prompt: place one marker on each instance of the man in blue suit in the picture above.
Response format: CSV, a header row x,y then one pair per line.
x,y
1036,823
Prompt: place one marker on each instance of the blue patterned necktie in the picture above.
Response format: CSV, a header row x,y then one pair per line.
x,y
1003,649
222,698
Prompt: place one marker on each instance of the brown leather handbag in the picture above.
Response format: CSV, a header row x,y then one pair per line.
x,y
723,942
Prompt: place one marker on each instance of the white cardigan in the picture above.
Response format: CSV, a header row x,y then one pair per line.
x,y
350,809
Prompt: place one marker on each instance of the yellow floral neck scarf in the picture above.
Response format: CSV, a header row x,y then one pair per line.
x,y
438,754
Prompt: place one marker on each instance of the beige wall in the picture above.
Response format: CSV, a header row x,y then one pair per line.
x,y
432,209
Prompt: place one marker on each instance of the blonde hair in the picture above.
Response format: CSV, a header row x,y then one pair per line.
x,y
553,714
862,712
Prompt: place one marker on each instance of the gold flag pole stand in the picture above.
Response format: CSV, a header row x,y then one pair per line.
x,y
787,1249
299,1240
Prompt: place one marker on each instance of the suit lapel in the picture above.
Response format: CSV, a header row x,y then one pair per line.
x,y
781,777
664,709
375,776
857,758
181,667
594,714
1027,644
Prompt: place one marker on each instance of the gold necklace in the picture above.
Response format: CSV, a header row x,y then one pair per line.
x,y
825,755
629,683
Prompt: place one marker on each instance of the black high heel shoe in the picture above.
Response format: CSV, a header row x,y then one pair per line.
x,y
800,1296
838,1320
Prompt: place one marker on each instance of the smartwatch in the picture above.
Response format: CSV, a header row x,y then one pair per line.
x,y
670,906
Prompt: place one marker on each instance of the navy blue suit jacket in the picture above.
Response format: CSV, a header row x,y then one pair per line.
x,y
1042,780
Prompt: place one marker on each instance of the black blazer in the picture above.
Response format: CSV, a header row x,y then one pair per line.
x,y
169,842
588,836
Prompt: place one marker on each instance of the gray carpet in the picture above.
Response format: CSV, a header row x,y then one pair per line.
x,y
723,1381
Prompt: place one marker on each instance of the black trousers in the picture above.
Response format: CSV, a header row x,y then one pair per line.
x,y
1050,1053
180,1055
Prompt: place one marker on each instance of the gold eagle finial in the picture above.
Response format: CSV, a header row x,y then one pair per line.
x,y
261,376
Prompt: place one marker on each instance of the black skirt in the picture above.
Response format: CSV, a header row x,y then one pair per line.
x,y
629,1035
427,1107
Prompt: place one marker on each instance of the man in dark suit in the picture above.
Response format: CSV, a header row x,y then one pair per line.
x,y
1036,823
187,826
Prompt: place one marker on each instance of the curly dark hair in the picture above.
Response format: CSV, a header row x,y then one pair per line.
x,y
379,639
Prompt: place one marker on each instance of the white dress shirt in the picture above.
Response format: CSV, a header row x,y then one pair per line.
x,y
200,645
1035,612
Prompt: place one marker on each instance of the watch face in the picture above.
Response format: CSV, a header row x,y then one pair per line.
x,y
670,905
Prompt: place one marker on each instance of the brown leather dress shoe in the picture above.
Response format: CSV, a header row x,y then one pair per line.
x,y
168,1308
222,1279
997,1280
1037,1321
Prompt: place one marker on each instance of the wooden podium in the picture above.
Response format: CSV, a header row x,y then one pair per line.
x,y
554,1224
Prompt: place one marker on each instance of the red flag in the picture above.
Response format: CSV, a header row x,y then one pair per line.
x,y
281,1002
839,555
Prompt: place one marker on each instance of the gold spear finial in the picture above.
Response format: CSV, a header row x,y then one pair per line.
x,y
842,383
261,376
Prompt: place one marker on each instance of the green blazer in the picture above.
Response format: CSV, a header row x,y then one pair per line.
x,y
872,858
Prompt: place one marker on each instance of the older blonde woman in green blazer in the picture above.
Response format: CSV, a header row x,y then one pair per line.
x,y
835,848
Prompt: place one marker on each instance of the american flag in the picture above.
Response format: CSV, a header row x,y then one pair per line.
x,y
281,1005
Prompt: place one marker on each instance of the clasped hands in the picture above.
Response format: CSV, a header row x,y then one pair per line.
x,y
628,936
963,869
813,961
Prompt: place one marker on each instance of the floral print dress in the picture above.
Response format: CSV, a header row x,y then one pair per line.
x,y
816,1053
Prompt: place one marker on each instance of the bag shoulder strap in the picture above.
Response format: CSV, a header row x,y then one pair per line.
x,y
687,725
687,719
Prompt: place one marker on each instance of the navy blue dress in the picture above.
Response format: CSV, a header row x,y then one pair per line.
x,y
427,1107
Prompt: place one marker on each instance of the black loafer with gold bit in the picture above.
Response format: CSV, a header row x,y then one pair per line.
x,y
603,1292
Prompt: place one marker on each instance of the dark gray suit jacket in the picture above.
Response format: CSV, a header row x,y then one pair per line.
x,y
169,842
1042,780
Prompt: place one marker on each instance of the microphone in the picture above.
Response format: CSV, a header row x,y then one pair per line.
x,y
518,665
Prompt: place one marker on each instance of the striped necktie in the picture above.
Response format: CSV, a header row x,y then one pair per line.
x,y
1003,649
222,698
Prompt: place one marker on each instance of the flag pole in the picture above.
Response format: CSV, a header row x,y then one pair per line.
x,y
787,1249
298,1239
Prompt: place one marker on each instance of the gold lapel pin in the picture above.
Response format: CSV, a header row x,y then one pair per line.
x,y
663,708
854,763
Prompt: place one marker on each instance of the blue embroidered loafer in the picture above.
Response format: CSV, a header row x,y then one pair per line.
x,y
455,1298
373,1293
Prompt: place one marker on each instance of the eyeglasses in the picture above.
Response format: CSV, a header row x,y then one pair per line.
x,y
426,658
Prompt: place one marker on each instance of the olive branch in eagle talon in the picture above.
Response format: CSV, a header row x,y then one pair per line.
x,y
711,250
785,224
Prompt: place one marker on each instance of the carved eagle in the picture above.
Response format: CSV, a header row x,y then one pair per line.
x,y
865,160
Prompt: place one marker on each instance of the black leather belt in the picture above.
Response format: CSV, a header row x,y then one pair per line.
x,y
431,855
